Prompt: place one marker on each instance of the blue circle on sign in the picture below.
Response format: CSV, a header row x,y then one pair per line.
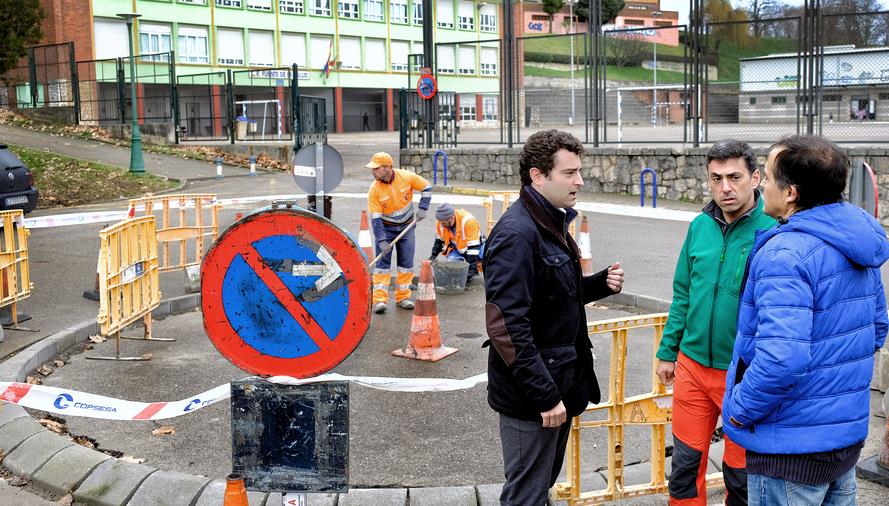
x,y
257,316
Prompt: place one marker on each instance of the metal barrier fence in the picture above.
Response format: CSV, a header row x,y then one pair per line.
x,y
100,92
45,78
15,277
202,100
817,72
129,281
187,228
262,104
155,80
652,410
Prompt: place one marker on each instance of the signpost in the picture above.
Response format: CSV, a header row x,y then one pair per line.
x,y
318,169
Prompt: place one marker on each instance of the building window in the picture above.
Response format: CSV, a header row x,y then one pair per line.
x,y
466,15
488,65
260,5
489,108
398,11
348,9
320,8
290,6
374,54
373,10
637,7
779,100
634,22
398,55
539,17
832,98
350,53
193,47
418,12
154,38
293,49
663,23
320,49
466,63
445,59
467,108
262,48
445,14
229,46
228,3
752,101
488,18
446,110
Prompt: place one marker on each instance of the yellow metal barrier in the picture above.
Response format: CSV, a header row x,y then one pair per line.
x,y
506,198
186,227
15,276
129,279
653,409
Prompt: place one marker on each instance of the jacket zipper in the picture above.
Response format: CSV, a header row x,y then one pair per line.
x,y
725,237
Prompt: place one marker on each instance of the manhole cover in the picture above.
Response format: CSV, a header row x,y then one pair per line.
x,y
469,335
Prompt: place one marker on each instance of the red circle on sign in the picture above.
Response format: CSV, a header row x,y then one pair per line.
x,y
238,241
427,87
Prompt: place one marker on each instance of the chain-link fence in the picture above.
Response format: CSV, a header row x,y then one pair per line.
x,y
261,100
100,88
155,79
203,106
472,72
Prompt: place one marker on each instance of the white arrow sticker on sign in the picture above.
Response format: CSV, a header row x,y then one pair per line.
x,y
329,270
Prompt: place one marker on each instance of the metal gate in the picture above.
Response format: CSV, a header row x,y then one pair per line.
x,y
417,125
203,107
311,125
261,101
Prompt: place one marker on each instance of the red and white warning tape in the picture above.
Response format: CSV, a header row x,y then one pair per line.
x,y
68,402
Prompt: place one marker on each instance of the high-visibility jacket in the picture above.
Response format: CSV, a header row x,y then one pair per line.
x,y
393,203
465,236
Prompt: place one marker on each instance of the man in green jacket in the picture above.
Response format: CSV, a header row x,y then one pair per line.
x,y
696,347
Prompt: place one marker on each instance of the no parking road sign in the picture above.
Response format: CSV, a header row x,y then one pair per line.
x,y
285,292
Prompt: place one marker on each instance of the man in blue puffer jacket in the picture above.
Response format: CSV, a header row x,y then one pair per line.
x,y
811,317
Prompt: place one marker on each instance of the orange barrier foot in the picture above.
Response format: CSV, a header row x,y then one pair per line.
x,y
425,339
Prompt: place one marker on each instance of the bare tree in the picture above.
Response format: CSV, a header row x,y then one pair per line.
x,y
758,10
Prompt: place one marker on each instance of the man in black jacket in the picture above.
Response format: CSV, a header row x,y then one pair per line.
x,y
540,363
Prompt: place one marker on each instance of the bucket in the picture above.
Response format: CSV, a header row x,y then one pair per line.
x,y
450,277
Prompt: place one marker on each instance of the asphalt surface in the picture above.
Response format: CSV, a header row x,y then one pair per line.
x,y
396,439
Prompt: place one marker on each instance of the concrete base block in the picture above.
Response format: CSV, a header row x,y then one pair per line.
x,y
112,483
67,469
488,495
442,496
214,492
868,469
30,456
167,487
375,496
15,432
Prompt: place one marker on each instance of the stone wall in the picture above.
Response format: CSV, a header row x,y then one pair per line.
x,y
681,172
155,133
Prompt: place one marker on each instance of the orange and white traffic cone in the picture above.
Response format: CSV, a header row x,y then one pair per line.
x,y
235,492
583,244
364,241
132,212
425,339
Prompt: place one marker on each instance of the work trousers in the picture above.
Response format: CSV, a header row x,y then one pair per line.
x,y
404,275
532,459
697,404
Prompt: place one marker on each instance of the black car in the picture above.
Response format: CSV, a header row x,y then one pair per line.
x,y
17,187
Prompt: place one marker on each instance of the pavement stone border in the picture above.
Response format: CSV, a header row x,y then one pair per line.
x,y
58,465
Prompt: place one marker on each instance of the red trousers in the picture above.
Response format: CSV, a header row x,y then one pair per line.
x,y
697,404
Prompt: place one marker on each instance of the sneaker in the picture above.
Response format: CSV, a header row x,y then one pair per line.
x,y
406,304
380,307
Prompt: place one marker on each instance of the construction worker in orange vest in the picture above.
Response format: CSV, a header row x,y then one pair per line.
x,y
390,201
458,237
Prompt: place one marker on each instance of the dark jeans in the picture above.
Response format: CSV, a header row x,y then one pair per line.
x,y
532,460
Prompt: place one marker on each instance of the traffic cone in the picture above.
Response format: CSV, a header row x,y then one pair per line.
x,y
132,212
235,492
583,244
364,241
425,340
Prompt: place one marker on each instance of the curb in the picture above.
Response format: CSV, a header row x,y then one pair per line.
x,y
58,465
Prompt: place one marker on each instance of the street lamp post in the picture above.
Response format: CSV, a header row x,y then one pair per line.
x,y
654,90
571,62
137,165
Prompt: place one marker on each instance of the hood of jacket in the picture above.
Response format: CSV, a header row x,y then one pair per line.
x,y
849,229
